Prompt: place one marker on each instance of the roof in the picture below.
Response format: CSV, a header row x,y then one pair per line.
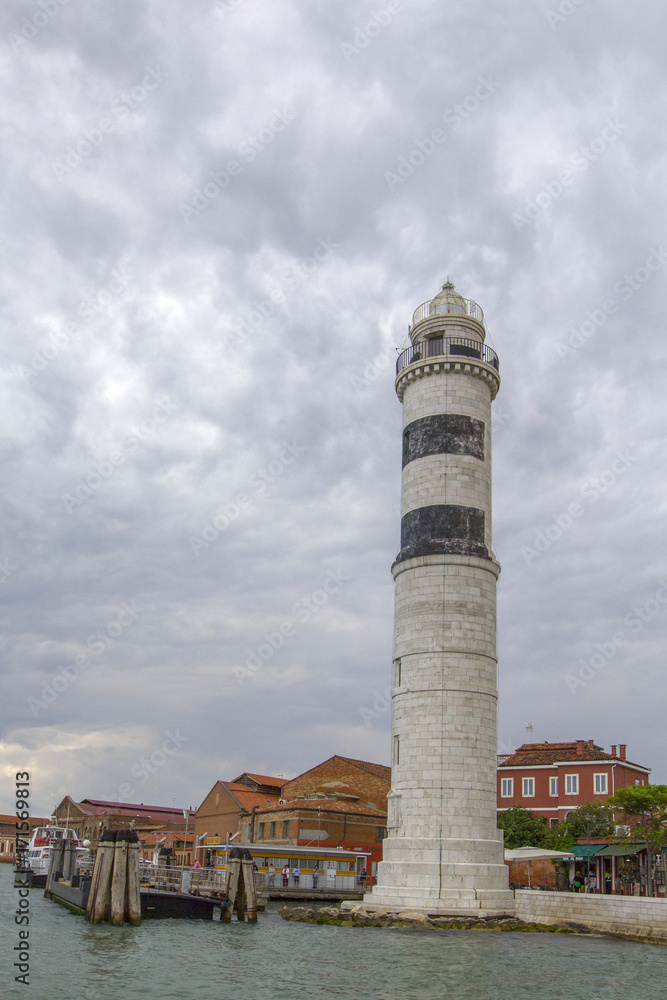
x,y
379,770
534,754
246,798
327,805
98,807
263,779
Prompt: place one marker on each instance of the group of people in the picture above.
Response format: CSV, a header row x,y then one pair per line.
x,y
295,872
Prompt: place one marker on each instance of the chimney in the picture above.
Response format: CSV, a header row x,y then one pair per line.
x,y
580,747
622,747
613,749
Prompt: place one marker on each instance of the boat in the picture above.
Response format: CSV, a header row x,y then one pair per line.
x,y
35,862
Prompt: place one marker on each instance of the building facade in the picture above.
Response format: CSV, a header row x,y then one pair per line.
x,y
444,853
218,818
552,779
340,803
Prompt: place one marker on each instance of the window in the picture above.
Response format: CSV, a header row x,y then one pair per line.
x,y
528,788
398,671
600,782
380,832
397,749
507,788
571,784
553,786
273,831
286,828
261,831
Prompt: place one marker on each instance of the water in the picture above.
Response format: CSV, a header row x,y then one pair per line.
x,y
277,960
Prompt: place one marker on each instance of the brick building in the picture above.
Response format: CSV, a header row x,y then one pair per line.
x,y
552,779
339,803
218,817
90,816
8,834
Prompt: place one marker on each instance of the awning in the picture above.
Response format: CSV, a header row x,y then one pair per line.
x,y
588,850
618,851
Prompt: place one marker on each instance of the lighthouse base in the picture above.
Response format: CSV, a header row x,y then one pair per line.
x,y
442,878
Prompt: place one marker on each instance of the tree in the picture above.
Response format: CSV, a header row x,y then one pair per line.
x,y
593,819
522,828
646,808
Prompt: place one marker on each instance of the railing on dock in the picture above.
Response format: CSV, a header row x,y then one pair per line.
x,y
171,878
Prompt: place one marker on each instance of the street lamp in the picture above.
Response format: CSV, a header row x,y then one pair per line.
x,y
186,816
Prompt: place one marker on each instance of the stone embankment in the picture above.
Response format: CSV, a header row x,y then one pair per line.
x,y
358,916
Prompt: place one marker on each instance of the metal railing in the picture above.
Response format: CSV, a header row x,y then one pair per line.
x,y
427,309
340,882
439,347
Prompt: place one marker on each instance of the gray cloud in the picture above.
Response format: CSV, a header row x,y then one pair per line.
x,y
270,316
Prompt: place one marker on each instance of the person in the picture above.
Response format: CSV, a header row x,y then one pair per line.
x,y
363,876
296,873
577,883
272,875
196,864
315,874
285,876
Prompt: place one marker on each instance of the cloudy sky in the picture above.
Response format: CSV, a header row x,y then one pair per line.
x,y
217,220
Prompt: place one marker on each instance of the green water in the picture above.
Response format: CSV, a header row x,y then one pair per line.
x,y
165,959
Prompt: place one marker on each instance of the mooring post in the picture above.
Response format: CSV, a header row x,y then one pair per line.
x,y
119,880
94,882
100,907
133,889
249,886
55,866
69,860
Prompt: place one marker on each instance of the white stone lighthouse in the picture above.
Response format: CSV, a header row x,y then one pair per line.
x,y
443,853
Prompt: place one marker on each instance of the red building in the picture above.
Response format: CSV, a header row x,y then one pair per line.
x,y
552,779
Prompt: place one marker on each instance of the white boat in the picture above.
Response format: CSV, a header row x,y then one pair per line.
x,y
38,854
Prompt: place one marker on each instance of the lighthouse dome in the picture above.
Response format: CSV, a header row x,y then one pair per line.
x,y
446,301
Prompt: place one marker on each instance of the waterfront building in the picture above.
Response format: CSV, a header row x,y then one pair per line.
x,y
552,779
218,818
90,816
341,803
444,853
8,834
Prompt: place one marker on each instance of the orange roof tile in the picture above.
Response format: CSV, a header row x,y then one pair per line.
x,y
247,798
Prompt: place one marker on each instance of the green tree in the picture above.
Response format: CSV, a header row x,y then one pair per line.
x,y
522,828
645,806
593,819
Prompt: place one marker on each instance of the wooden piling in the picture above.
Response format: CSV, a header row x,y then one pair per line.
x,y
69,859
55,866
250,888
118,880
94,882
102,899
234,878
133,888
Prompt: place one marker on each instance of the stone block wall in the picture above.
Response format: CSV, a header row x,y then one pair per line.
x,y
629,916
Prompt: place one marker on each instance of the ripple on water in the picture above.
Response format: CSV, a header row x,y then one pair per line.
x,y
276,960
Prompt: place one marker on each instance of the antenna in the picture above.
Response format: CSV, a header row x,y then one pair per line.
x,y
529,727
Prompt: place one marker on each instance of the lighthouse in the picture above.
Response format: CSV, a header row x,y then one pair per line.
x,y
443,853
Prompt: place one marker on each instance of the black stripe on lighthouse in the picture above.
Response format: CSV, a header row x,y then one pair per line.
x,y
442,528
443,434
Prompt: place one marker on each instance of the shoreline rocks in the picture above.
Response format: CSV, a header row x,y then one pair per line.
x,y
358,916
